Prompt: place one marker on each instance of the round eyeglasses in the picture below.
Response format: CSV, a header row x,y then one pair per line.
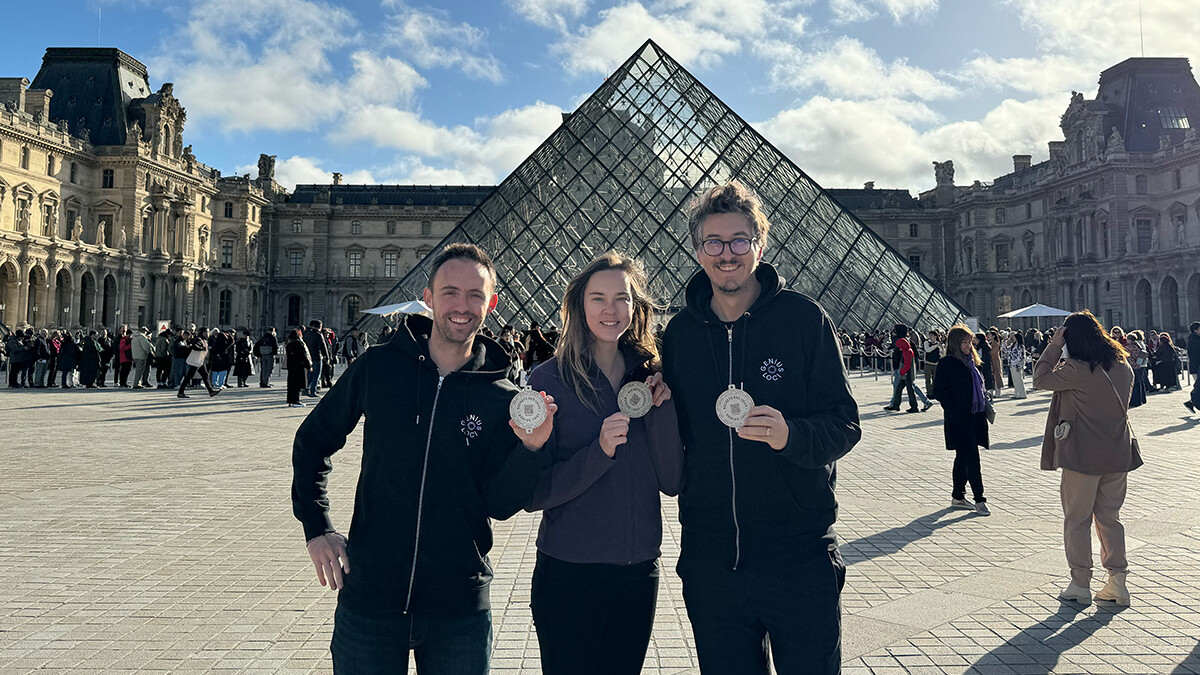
x,y
715,247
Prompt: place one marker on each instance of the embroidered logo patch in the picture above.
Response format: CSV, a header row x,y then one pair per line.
x,y
471,426
772,370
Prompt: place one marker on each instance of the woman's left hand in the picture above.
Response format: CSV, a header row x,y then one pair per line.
x,y
658,389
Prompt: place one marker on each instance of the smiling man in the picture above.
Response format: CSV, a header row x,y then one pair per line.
x,y
759,558
439,459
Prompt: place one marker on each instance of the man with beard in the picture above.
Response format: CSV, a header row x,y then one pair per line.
x,y
765,412
440,457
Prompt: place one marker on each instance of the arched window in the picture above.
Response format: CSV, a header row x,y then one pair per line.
x,y
25,158
147,181
225,310
166,144
50,165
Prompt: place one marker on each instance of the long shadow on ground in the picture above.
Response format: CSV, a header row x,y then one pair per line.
x,y
895,539
1041,645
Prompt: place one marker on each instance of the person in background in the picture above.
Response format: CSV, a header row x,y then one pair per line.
x,y
1014,353
266,348
318,348
108,350
68,359
197,356
1165,364
299,363
142,351
903,365
1140,362
220,357
958,386
994,353
89,360
123,346
1193,351
1092,387
934,341
162,359
243,367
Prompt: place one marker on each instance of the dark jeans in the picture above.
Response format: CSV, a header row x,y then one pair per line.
x,y
1195,397
899,383
123,369
1141,384
968,470
266,365
790,608
592,617
179,368
366,645
193,371
314,376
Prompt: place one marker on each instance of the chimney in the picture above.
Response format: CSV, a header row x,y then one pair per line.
x,y
337,178
869,185
1022,162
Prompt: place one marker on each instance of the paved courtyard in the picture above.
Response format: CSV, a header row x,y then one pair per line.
x,y
144,534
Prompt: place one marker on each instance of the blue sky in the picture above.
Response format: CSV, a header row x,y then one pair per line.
x,y
460,92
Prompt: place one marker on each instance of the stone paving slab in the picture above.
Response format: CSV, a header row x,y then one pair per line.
x,y
154,535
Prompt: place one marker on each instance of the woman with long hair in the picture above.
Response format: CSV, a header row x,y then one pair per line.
x,y
299,364
1165,364
1088,436
596,581
958,386
197,354
1139,361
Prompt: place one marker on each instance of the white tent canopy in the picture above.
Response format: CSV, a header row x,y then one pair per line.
x,y
1035,310
410,307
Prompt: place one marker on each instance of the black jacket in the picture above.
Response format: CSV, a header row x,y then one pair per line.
x,y
952,388
437,451
741,501
1193,350
267,340
316,343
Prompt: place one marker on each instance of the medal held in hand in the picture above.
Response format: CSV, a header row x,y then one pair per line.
x,y
635,399
528,409
733,407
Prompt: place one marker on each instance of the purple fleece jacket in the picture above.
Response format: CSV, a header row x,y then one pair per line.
x,y
597,509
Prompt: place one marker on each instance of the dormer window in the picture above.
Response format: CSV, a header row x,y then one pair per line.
x,y
1173,117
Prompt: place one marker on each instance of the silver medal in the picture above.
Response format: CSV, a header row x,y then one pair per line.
x,y
733,407
528,409
635,399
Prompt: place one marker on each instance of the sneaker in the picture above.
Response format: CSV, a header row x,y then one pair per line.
x,y
928,405
913,410
960,504
1190,406
982,509
1073,593
1114,590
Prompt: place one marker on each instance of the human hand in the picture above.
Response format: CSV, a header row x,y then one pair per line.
x,y
659,390
1059,338
767,425
535,439
328,553
614,432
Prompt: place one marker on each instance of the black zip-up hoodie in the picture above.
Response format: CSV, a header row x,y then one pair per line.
x,y
742,502
439,460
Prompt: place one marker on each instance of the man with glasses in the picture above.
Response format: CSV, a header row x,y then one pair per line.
x,y
759,558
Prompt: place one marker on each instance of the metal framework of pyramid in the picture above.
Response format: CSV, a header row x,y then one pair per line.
x,y
620,172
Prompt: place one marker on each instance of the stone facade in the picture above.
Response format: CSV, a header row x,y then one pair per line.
x,y
106,217
1111,222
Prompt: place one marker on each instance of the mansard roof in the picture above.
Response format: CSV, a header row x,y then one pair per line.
x,y
93,88
391,195
857,199
1147,98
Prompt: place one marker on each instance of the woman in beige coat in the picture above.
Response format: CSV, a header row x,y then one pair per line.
x,y
1089,438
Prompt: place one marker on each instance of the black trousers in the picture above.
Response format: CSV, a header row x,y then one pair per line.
x,y
593,617
193,371
123,369
790,608
968,470
297,381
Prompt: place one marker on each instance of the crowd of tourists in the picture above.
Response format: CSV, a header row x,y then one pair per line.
x,y
178,358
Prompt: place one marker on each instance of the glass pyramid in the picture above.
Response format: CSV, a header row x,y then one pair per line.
x,y
620,172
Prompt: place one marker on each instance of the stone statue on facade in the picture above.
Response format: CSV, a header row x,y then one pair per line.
x,y
23,217
266,167
1164,141
120,238
943,172
1180,233
1129,242
1116,143
77,229
1154,239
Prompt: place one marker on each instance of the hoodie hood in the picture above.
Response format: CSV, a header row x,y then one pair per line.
x,y
488,359
699,292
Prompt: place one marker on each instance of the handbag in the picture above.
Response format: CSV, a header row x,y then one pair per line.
x,y
1135,459
196,358
990,411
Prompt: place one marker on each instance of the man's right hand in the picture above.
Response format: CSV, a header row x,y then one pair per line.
x,y
328,553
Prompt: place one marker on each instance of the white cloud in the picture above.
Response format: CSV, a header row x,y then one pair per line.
x,y
484,152
845,143
851,69
433,42
850,11
549,13
855,11
383,80
742,18
297,170
909,9
605,46
256,63
1041,75
1108,29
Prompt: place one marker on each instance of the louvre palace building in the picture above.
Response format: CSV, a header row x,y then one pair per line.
x,y
108,218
